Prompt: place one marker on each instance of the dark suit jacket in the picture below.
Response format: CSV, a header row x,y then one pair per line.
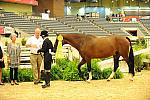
x,y
47,45
2,65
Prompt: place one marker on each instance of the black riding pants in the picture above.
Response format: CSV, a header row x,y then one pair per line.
x,y
13,73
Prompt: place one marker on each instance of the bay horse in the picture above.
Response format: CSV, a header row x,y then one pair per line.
x,y
91,46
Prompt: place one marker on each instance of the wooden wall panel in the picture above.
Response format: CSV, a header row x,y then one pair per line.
x,y
58,8
42,5
55,6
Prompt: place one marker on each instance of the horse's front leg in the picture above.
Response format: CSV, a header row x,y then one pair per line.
x,y
79,66
116,65
89,71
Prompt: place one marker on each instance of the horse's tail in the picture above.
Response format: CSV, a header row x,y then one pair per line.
x,y
131,58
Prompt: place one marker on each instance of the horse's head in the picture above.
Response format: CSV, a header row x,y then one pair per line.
x,y
56,42
55,45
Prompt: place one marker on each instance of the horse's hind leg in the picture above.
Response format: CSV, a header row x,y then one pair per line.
x,y
116,65
131,69
89,71
79,66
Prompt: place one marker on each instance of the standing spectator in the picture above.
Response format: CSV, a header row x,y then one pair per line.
x,y
2,65
78,17
107,18
35,43
13,50
14,31
47,48
113,15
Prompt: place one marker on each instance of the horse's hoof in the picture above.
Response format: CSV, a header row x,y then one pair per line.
x,y
88,81
131,79
108,80
84,79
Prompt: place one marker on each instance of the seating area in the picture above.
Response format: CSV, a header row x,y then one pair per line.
x,y
84,26
110,27
117,26
146,23
14,20
54,26
71,24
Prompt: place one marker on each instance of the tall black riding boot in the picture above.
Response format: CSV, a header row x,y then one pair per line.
x,y
47,80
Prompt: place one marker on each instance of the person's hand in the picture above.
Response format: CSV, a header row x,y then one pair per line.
x,y
19,60
38,51
34,46
1,60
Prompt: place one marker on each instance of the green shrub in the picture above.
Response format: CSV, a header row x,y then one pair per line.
x,y
106,73
84,71
138,61
62,63
23,41
141,41
71,72
96,71
25,75
140,44
56,73
118,74
5,75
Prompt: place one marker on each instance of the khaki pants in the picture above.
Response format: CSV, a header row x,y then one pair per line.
x,y
36,61
42,65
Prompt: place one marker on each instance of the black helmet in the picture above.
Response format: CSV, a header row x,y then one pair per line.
x,y
44,33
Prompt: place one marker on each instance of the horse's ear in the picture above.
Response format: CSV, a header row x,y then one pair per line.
x,y
57,34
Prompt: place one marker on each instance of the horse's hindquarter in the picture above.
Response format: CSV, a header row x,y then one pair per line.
x,y
123,46
100,48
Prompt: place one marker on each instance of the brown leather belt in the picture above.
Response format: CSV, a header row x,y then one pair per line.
x,y
34,54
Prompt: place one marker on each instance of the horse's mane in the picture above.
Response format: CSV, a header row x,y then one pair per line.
x,y
77,40
91,36
79,36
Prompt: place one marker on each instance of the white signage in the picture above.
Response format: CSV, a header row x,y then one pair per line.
x,y
8,30
45,16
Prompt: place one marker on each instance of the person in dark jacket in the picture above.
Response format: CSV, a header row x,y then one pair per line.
x,y
47,48
2,65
